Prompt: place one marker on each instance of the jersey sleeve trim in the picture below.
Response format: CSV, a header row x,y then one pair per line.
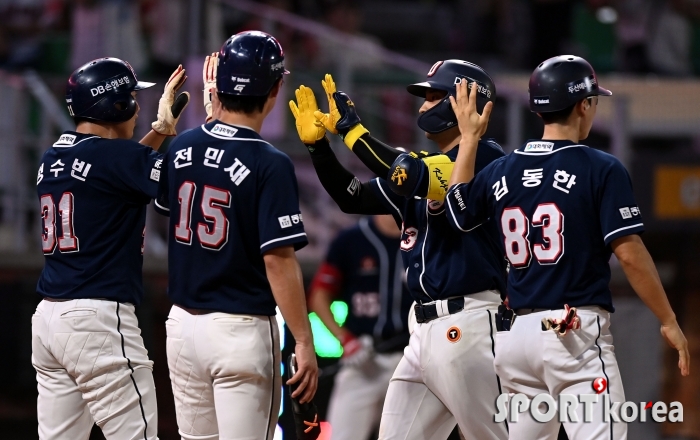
x,y
454,218
616,235
389,200
159,207
288,237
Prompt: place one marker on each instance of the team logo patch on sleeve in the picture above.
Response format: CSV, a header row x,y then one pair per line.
x,y
628,212
285,221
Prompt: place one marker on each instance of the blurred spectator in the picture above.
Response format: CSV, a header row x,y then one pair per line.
x,y
107,28
166,22
22,30
653,35
345,16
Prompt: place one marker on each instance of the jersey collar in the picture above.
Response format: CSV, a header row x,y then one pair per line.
x,y
538,147
223,130
71,138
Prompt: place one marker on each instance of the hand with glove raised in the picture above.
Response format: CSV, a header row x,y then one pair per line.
x,y
211,63
169,107
310,130
342,118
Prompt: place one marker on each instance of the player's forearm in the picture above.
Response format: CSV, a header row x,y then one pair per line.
x,y
284,275
320,303
643,276
463,171
346,190
153,139
376,155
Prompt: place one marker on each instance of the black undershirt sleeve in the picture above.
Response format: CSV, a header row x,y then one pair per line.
x,y
375,154
346,190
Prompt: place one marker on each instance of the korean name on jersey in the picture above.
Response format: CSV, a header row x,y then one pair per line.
x,y
558,206
93,194
231,197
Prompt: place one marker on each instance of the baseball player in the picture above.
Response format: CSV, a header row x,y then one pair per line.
x,y
94,185
446,374
562,209
235,224
363,268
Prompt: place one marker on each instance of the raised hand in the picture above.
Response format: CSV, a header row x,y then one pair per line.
x,y
470,122
330,119
309,128
211,63
169,107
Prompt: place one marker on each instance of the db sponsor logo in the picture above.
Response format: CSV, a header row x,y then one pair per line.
x,y
600,385
544,408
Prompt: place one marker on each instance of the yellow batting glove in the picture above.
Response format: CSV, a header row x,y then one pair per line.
x,y
310,130
330,119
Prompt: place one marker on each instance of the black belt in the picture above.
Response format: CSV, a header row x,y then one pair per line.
x,y
522,312
428,312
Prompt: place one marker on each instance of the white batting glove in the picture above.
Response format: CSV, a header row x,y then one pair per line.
x,y
169,108
209,76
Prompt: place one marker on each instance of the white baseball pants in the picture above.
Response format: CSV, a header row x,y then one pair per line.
x,y
446,376
532,361
225,373
92,367
358,394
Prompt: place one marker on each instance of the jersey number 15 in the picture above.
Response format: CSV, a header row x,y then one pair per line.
x,y
516,229
214,233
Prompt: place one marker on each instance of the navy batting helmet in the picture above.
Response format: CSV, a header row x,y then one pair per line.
x,y
561,82
101,91
444,75
249,64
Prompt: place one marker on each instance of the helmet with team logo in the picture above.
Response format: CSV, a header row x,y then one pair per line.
x,y
250,63
101,91
561,82
444,75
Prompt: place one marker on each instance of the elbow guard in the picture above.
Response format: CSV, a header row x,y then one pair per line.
x,y
425,177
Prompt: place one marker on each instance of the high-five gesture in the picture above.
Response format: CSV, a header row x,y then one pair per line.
x,y
472,126
309,128
470,122
209,78
169,107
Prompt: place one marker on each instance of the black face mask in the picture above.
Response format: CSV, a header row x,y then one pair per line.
x,y
439,118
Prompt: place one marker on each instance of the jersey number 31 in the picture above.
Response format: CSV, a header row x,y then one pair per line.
x,y
516,229
67,242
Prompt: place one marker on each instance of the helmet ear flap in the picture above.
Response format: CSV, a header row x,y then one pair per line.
x,y
439,118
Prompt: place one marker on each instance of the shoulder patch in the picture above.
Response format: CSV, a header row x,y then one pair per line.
x,y
539,146
224,130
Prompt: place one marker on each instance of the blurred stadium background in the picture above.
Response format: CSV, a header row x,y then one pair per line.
x,y
646,51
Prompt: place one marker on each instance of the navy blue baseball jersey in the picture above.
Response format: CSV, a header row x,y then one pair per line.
x,y
558,206
440,261
364,269
231,197
93,194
